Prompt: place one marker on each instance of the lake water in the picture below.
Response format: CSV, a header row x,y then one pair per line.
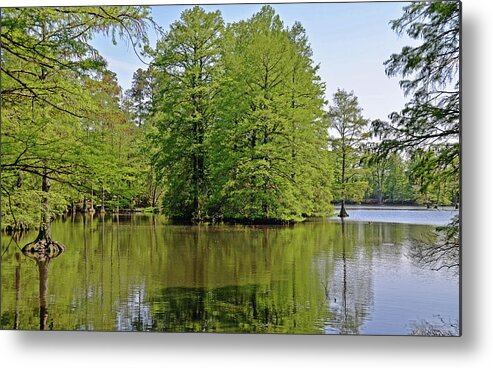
x,y
140,273
402,215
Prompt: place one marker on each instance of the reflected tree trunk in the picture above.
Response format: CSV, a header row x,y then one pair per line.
x,y
43,249
343,212
84,205
118,258
111,261
43,267
17,290
43,262
86,282
102,260
344,273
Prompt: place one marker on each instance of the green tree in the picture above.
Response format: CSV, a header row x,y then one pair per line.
x,y
308,128
186,64
388,177
431,191
50,77
397,184
138,106
350,131
269,161
118,168
139,97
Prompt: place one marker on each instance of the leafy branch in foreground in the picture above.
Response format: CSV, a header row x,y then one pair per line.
x,y
444,253
425,328
428,127
430,72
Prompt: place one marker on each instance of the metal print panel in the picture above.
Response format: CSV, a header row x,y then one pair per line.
x,y
284,168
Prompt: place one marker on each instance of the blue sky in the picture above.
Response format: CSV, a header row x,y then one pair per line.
x,y
350,42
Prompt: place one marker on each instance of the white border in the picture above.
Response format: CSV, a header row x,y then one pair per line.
x,y
474,349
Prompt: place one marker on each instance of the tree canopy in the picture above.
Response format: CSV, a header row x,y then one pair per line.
x,y
350,131
428,128
429,125
238,120
60,105
186,71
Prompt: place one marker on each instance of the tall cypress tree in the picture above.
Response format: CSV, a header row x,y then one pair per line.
x,y
186,67
346,120
270,136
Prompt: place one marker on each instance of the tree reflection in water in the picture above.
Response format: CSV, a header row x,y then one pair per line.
x,y
43,255
139,273
349,289
443,328
17,290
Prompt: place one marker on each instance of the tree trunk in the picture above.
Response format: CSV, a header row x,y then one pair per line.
x,y
343,212
102,204
17,291
380,197
44,245
91,209
84,205
45,227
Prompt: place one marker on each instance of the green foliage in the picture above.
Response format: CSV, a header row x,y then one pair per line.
x,y
186,70
431,120
137,104
347,142
270,133
238,120
139,97
428,127
435,177
60,105
388,178
227,122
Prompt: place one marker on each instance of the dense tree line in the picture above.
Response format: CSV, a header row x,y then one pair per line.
x,y
66,141
228,122
238,120
240,130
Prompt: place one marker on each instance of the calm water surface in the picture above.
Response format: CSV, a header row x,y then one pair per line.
x,y
139,273
402,215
